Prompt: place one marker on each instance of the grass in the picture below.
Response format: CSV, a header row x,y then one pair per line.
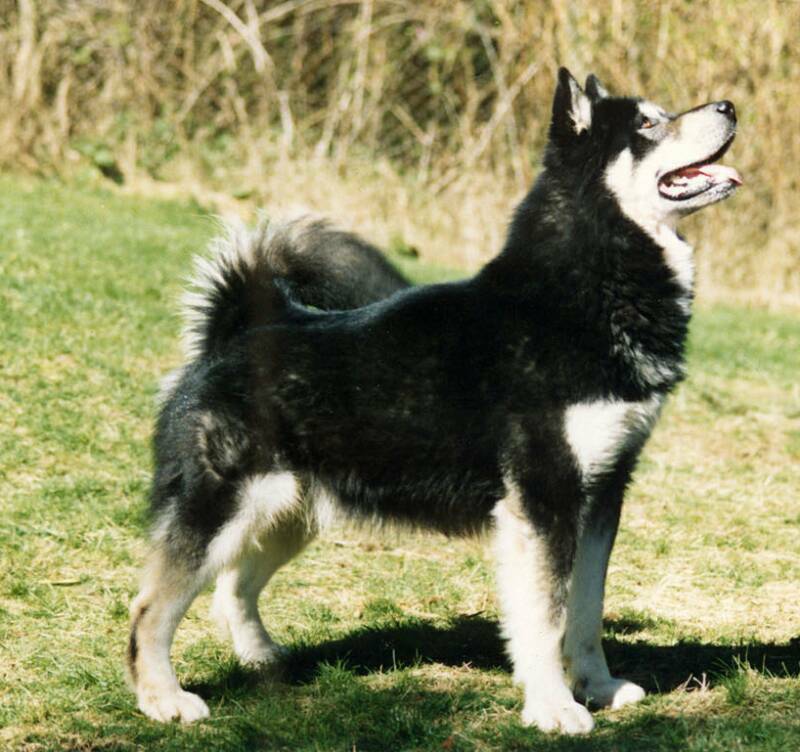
x,y
393,638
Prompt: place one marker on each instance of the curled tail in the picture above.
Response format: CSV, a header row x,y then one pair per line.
x,y
251,275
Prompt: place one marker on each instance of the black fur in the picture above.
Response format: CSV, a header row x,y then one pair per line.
x,y
133,645
331,269
203,444
318,376
318,266
422,406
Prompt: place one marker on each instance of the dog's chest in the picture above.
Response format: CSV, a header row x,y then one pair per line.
x,y
598,432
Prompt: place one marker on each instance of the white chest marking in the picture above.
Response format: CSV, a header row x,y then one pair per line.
x,y
598,431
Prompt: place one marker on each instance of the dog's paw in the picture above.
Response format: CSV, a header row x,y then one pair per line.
x,y
252,644
612,693
173,705
567,716
259,654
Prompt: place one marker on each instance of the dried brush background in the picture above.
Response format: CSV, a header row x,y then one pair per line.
x,y
419,123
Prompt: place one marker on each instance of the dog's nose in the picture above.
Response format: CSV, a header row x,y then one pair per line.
x,y
726,108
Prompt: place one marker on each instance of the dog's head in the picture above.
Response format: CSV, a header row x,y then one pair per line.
x,y
659,166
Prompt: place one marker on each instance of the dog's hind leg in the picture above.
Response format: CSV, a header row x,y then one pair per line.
x,y
170,584
180,566
532,580
235,604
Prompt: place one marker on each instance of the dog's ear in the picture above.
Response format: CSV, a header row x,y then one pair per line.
x,y
572,109
594,89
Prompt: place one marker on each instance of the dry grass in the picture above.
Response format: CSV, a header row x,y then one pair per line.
x,y
419,122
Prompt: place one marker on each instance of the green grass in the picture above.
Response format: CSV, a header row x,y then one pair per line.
x,y
394,638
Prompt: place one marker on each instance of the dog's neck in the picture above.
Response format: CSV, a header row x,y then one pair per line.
x,y
604,273
561,229
678,254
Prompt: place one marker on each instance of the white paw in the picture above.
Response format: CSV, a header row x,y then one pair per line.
x,y
613,693
173,705
626,694
566,716
251,642
259,654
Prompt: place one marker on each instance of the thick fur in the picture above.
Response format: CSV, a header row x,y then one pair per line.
x,y
516,400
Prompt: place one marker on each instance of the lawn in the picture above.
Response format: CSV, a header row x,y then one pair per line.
x,y
393,638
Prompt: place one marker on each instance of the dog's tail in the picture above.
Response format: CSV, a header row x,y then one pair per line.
x,y
251,276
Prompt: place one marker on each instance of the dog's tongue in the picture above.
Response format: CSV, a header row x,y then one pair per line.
x,y
717,172
692,181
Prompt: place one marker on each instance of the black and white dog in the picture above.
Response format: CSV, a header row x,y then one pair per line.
x,y
318,385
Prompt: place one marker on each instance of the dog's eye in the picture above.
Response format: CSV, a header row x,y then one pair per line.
x,y
646,123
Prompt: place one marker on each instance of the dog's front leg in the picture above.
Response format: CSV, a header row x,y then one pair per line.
x,y
532,587
584,659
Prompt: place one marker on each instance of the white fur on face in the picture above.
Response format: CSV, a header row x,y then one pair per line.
x,y
652,111
699,134
636,190
690,139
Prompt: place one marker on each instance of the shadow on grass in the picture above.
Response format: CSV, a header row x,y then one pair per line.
x,y
318,701
475,642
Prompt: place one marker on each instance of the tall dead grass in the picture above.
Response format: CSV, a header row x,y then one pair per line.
x,y
412,120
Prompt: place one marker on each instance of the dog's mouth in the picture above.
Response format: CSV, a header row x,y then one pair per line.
x,y
699,177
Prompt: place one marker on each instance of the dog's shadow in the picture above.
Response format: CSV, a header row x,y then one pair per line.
x,y
475,642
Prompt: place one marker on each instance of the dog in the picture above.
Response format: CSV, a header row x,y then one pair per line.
x,y
320,385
